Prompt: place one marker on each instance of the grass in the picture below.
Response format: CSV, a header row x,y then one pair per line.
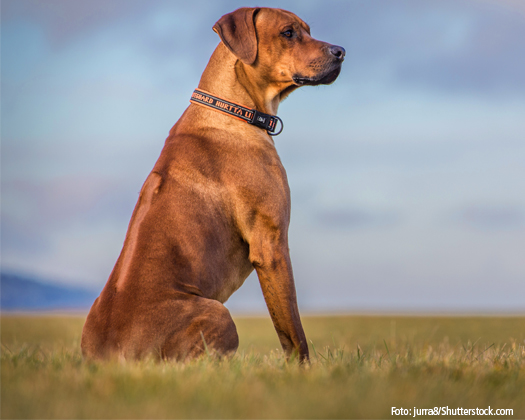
x,y
361,367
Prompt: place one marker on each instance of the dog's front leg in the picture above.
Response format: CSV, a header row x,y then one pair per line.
x,y
274,268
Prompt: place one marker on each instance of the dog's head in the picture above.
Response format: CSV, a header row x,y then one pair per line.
x,y
278,45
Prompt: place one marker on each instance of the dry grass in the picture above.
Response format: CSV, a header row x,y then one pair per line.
x,y
361,367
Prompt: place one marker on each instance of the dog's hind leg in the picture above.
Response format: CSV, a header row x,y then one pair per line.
x,y
209,329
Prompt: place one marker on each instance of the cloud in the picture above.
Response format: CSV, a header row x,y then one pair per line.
x,y
65,20
491,217
481,55
64,200
356,218
18,238
458,47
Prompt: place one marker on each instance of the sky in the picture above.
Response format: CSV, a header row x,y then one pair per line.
x,y
407,190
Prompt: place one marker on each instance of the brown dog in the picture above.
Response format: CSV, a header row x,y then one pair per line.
x,y
215,206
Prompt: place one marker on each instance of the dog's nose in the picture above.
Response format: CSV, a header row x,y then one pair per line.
x,y
338,52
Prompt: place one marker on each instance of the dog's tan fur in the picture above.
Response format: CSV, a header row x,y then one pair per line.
x,y
215,206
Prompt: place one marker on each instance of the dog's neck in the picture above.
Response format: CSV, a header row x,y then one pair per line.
x,y
228,77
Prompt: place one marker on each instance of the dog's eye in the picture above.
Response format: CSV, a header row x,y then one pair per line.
x,y
288,33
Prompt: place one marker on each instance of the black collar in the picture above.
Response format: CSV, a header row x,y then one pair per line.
x,y
251,116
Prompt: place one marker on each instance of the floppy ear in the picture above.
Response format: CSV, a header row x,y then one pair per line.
x,y
237,32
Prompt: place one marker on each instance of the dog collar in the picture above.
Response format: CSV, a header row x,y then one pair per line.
x,y
251,116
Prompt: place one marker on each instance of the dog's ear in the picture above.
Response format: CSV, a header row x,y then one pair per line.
x,y
237,32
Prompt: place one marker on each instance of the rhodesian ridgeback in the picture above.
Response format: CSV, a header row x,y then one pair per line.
x,y
216,204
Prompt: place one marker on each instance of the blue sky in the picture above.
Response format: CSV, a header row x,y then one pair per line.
x,y
407,174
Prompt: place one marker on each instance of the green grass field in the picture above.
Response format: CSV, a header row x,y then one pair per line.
x,y
361,367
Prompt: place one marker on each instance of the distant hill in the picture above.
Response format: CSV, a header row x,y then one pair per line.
x,y
22,293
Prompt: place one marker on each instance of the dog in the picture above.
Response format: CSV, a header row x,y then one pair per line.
x,y
216,204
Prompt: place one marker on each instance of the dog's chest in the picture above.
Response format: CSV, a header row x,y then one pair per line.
x,y
234,279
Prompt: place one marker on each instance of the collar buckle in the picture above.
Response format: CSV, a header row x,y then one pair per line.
x,y
262,120
267,122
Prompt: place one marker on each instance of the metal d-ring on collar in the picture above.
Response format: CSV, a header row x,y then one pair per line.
x,y
280,131
251,116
